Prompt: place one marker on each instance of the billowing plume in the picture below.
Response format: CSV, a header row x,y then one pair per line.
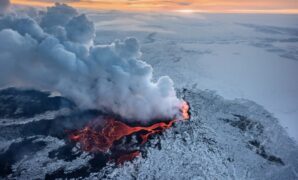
x,y
55,51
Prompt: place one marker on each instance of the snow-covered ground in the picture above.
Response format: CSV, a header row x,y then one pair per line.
x,y
224,139
253,57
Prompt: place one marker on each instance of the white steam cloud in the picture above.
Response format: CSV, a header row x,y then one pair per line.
x,y
55,51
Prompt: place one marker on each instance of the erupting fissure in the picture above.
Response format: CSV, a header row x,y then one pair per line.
x,y
100,139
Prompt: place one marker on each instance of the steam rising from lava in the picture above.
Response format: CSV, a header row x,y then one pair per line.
x,y
55,50
99,135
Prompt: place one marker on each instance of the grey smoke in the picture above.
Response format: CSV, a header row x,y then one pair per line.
x,y
55,51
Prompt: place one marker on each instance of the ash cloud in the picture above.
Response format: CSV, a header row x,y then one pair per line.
x,y
55,51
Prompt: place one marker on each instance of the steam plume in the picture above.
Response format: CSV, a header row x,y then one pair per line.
x,y
56,51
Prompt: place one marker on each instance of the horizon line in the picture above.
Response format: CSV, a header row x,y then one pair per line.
x,y
150,10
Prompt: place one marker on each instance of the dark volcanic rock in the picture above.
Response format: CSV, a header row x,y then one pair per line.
x,y
16,152
15,103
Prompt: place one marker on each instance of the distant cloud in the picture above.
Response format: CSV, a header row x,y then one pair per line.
x,y
184,3
4,4
60,1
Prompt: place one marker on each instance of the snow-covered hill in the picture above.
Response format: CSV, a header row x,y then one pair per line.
x,y
224,139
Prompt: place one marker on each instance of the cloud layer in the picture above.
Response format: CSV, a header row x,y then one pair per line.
x,y
55,51
4,4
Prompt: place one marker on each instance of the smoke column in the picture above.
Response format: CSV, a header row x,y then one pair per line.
x,y
55,51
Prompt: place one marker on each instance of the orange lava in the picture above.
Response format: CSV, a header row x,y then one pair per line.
x,y
185,110
92,139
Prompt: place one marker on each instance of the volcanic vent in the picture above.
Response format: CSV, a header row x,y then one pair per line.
x,y
102,134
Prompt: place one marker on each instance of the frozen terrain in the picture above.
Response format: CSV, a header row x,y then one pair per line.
x,y
224,139
253,57
238,73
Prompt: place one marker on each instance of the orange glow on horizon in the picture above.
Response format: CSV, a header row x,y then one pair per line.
x,y
180,6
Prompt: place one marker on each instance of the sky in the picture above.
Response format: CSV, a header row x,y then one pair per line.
x,y
182,6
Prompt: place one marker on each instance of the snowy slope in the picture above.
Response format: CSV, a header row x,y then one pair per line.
x,y
223,140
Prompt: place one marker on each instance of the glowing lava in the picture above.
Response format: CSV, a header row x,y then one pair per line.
x,y
94,138
185,110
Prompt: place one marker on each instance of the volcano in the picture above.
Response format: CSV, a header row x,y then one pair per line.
x,y
100,134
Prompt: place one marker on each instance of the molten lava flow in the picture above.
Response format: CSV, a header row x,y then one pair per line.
x,y
94,139
185,110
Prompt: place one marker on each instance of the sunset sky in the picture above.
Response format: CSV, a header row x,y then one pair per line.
x,y
183,6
